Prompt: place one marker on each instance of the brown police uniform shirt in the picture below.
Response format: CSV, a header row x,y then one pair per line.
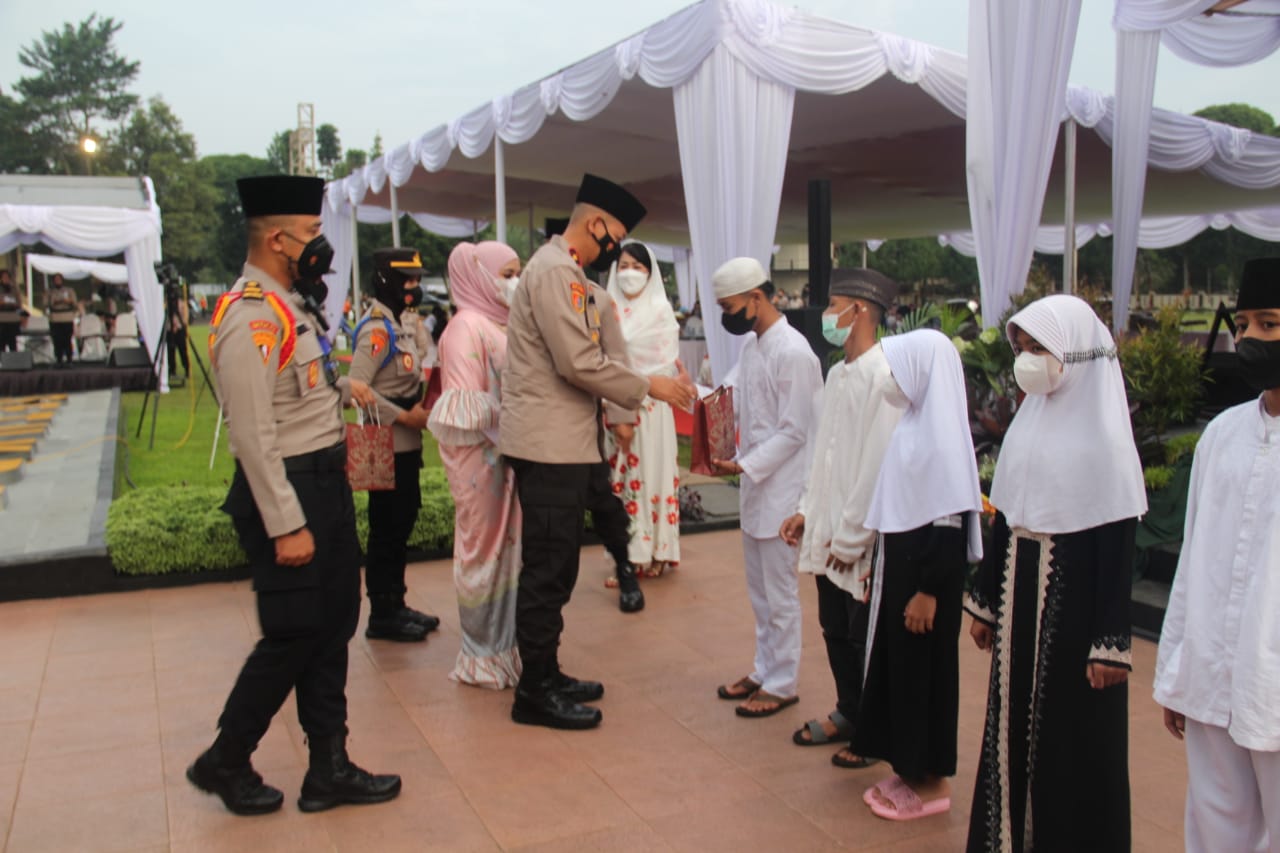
x,y
10,305
278,403
399,377
557,368
62,305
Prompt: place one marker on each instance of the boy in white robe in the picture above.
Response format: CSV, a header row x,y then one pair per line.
x,y
835,546
776,386
1218,668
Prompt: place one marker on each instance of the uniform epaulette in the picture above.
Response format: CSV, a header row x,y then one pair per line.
x,y
376,313
252,290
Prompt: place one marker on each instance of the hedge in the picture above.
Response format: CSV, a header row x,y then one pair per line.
x,y
179,528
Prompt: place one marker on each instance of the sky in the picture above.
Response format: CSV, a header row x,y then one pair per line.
x,y
235,70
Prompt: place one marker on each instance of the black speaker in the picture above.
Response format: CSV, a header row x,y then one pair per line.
x,y
129,357
819,241
15,360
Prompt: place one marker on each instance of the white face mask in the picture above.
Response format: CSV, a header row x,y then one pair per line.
x,y
632,281
1037,374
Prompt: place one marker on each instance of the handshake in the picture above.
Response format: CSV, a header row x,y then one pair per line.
x,y
677,390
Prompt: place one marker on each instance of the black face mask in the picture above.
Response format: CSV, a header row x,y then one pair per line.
x,y
737,323
1260,361
313,263
607,255
412,296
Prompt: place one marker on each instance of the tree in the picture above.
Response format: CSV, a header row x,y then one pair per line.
x,y
19,150
228,241
187,196
278,154
148,132
917,262
1240,115
79,78
354,159
328,147
376,151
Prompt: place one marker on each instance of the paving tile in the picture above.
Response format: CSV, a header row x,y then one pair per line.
x,y
14,738
127,822
83,776
59,734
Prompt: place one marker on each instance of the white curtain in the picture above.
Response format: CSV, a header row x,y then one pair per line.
x,y
98,232
78,268
1019,56
734,129
339,230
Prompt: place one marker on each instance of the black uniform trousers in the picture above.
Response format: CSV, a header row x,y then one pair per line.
x,y
9,336
308,613
844,630
392,515
608,514
61,334
177,343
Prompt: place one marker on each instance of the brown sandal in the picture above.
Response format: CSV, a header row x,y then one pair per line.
x,y
745,687
778,702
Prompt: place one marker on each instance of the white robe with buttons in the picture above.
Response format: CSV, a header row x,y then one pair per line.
x,y
1219,657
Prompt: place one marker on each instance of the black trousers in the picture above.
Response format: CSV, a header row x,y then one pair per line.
x,y
392,514
308,613
553,498
608,514
9,336
844,629
177,343
61,334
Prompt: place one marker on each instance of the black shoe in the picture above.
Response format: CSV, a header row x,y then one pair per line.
x,y
397,627
426,620
544,706
241,789
576,690
630,598
332,780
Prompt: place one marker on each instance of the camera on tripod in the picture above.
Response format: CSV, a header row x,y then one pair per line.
x,y
167,275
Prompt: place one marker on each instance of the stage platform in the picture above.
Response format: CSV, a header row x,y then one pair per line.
x,y
48,379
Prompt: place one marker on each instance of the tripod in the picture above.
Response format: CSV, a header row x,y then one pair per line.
x,y
153,386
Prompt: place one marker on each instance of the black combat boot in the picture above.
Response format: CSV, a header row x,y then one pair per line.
x,y
426,620
630,598
224,769
542,704
332,780
389,620
575,689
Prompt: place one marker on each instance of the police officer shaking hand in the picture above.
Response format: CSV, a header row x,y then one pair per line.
x,y
291,506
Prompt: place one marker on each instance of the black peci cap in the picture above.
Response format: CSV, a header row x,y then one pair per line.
x,y
280,195
554,226
612,199
864,284
1259,285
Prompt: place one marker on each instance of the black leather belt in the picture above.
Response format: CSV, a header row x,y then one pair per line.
x,y
318,461
404,402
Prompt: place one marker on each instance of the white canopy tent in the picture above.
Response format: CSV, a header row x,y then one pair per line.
x,y
49,214
718,117
75,269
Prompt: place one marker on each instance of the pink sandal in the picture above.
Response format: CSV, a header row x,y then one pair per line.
x,y
907,805
884,786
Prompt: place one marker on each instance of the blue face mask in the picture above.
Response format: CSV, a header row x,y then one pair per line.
x,y
833,334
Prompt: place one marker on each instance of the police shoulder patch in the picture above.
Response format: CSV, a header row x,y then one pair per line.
x,y
252,290
578,296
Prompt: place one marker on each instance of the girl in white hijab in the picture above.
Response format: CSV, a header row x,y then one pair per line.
x,y
1051,601
642,458
925,506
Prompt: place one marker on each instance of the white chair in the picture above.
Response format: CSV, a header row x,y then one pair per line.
x,y
92,338
35,339
125,335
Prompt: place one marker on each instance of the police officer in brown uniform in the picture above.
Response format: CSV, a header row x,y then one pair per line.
x,y
557,372
62,307
389,356
290,504
10,312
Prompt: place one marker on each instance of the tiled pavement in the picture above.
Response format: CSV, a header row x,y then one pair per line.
x,y
104,701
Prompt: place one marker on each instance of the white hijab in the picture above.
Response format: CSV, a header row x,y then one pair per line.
x,y
648,323
1068,461
929,471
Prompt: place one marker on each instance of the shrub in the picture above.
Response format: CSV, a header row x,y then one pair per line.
x,y
1157,477
163,529
1180,446
1163,376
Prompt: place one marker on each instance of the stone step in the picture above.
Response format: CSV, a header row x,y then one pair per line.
x,y
17,448
10,470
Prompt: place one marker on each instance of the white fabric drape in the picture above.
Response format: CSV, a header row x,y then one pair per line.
x,y
1136,54
98,232
78,268
734,129
1154,232
337,227
1019,58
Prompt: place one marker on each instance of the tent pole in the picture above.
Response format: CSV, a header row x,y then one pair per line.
x,y
395,215
500,188
1069,214
864,254
27,257
355,267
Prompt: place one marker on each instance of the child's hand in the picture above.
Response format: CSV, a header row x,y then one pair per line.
x,y
1102,676
792,529
982,634
920,612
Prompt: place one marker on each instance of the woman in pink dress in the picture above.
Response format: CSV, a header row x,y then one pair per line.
x,y
486,544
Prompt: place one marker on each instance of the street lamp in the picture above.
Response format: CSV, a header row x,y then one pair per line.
x,y
89,146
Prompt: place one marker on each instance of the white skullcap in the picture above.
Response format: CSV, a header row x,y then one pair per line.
x,y
738,276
